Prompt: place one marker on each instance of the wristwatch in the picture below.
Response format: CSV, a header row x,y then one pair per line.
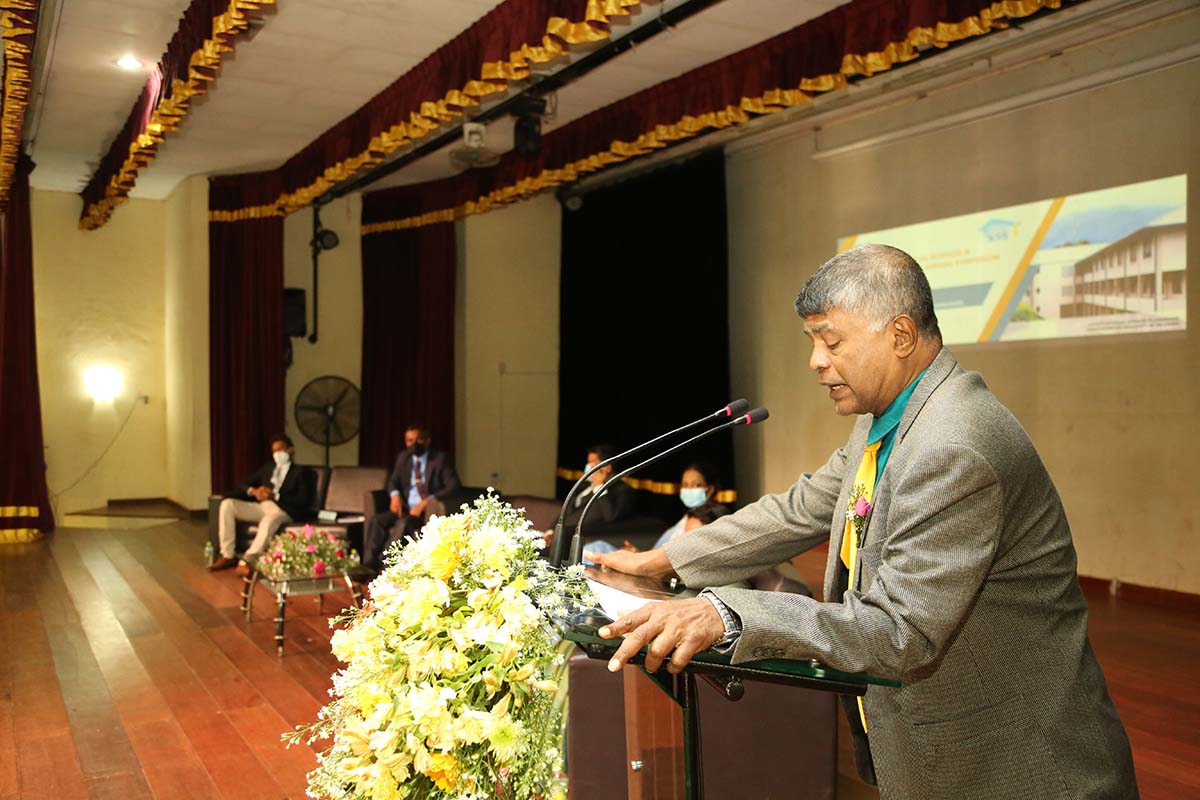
x,y
733,625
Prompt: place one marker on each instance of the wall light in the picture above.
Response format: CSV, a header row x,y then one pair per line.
x,y
103,383
128,62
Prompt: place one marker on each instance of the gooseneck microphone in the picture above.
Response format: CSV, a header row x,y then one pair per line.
x,y
735,410
755,415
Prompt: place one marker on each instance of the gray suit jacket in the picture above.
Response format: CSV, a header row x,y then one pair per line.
x,y
967,593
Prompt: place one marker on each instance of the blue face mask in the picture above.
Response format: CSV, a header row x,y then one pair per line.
x,y
693,498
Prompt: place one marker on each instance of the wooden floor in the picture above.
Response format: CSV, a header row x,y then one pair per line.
x,y
127,671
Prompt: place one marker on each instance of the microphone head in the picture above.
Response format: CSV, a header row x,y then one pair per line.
x,y
756,415
735,409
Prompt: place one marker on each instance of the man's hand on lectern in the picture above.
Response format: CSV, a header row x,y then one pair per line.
x,y
675,631
653,563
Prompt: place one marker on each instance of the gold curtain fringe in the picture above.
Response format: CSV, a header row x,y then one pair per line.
x,y
203,66
19,511
771,101
942,35
17,19
725,496
495,76
661,136
19,535
254,212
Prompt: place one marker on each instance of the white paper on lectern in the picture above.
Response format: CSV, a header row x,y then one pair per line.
x,y
614,601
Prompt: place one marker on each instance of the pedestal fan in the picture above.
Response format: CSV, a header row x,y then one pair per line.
x,y
327,411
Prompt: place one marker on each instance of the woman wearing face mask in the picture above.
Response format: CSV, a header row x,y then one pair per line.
x,y
697,488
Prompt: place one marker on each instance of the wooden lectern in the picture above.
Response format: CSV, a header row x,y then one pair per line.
x,y
661,710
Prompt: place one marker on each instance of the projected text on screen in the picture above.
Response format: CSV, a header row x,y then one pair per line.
x,y
1105,262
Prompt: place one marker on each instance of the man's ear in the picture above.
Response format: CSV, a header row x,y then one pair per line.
x,y
903,333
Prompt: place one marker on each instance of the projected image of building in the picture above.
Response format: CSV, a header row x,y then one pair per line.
x,y
1144,272
1052,287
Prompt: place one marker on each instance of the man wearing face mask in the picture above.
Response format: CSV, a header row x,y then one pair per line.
x,y
420,480
278,493
616,503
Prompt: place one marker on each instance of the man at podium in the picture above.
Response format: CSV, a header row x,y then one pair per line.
x,y
951,567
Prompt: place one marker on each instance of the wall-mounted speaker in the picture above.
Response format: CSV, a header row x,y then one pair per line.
x,y
295,316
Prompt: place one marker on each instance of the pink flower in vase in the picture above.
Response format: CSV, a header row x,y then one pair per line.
x,y
312,548
308,531
331,537
319,569
862,507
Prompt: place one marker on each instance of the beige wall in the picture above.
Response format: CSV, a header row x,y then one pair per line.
x,y
506,347
98,297
186,343
338,350
1113,418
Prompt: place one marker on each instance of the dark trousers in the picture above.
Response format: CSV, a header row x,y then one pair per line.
x,y
387,527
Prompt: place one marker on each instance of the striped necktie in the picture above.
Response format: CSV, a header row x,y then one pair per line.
x,y
864,485
419,478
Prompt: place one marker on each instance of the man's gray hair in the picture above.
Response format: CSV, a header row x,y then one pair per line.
x,y
875,281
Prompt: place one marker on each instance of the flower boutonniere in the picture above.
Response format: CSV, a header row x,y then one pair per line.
x,y
858,512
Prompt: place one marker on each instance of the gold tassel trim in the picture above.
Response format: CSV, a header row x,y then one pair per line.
x,y
19,511
942,35
254,212
494,77
19,535
772,101
170,111
661,136
725,496
17,19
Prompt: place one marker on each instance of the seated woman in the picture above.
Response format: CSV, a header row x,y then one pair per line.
x,y
697,487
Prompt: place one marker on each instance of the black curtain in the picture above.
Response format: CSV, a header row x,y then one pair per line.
x,y
644,322
408,338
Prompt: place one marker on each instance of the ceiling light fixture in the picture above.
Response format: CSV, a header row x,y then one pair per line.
x,y
128,62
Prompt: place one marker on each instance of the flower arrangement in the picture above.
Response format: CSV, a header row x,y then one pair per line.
x,y
306,554
449,686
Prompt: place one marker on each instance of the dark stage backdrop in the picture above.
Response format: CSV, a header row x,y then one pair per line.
x,y
408,337
246,362
645,324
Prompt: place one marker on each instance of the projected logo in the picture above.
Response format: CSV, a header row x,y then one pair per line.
x,y
1104,262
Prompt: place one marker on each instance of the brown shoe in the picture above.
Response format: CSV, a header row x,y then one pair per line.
x,y
222,563
243,569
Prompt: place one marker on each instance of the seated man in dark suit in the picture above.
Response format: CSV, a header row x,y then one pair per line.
x,y
615,504
279,492
421,478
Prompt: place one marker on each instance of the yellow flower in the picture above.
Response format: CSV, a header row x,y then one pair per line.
x,y
500,710
444,558
507,738
383,785
545,686
356,737
443,771
509,653
523,673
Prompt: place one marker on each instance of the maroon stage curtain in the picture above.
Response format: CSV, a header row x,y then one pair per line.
x,y
246,338
24,501
408,339
190,63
